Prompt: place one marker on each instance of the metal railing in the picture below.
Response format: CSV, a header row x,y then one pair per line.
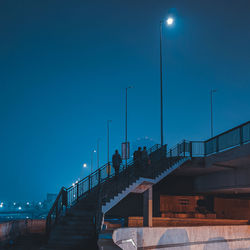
x,y
224,141
67,197
229,139
56,209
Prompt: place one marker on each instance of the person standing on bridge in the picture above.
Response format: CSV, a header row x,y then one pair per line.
x,y
138,157
116,161
145,157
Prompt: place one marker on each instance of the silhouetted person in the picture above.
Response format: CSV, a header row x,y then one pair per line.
x,y
116,160
138,156
145,157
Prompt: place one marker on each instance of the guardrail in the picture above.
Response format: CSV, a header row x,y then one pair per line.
x,y
229,139
56,209
69,196
224,141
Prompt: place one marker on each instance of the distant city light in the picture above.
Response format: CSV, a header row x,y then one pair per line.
x,y
94,151
40,203
170,21
14,203
1,205
73,184
27,217
28,203
84,165
19,208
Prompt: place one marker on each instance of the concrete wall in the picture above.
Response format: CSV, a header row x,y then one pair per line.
x,y
184,238
237,209
12,229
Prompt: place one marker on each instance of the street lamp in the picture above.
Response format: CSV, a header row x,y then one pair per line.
x,y
108,121
211,104
84,165
92,153
169,21
126,125
97,150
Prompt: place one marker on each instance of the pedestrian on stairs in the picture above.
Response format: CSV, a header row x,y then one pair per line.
x,y
116,160
138,157
145,157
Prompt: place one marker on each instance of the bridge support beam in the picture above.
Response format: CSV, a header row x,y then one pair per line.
x,y
148,208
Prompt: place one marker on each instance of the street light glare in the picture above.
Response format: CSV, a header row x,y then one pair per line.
x,y
84,165
170,21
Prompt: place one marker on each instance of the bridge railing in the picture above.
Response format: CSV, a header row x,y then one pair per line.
x,y
69,196
187,148
82,187
56,209
229,139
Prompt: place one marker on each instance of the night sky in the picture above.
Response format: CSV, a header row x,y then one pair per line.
x,y
64,67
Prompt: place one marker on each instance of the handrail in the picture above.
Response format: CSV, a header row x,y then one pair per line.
x,y
55,208
228,131
64,198
68,196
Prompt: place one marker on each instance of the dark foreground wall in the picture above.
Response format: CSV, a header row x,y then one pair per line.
x,y
13,229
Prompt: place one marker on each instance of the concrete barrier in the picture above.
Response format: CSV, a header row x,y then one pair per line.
x,y
12,229
184,238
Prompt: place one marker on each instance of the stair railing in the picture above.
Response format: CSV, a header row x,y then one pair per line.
x,y
58,207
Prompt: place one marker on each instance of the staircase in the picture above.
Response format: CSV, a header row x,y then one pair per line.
x,y
77,214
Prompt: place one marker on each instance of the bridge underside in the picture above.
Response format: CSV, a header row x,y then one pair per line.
x,y
225,172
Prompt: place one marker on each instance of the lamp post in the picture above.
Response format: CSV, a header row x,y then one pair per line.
x,y
92,156
169,22
108,121
211,106
97,151
126,125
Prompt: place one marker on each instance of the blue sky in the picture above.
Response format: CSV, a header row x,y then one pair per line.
x,y
64,67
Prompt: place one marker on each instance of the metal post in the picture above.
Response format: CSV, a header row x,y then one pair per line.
x,y
99,176
89,183
77,190
191,149
212,122
241,135
126,127
108,121
97,151
91,169
161,83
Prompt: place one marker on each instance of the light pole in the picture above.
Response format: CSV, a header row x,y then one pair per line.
x,y
92,156
169,22
126,125
97,150
211,100
108,121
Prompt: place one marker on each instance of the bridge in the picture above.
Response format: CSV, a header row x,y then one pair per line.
x,y
218,166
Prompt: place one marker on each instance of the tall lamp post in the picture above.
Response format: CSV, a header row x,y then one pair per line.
x,y
169,21
126,125
92,159
211,106
108,121
97,151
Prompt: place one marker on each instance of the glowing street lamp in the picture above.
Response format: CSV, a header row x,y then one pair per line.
x,y
169,22
84,165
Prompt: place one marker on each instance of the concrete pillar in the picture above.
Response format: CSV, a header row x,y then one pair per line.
x,y
148,208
